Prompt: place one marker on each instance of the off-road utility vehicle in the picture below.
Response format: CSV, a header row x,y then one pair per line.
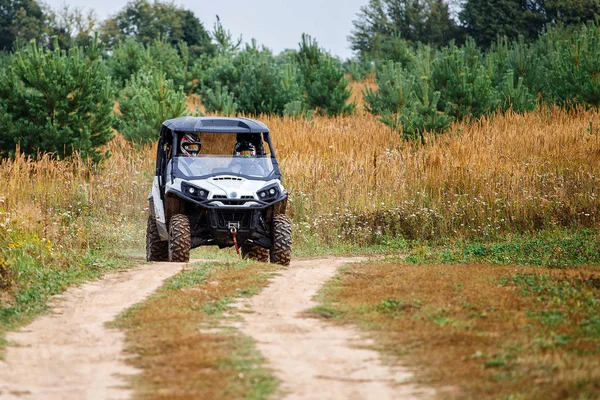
x,y
217,183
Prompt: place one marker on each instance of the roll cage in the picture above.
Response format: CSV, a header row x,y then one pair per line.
x,y
172,130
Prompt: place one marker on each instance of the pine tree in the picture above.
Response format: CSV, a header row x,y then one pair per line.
x,y
220,100
485,20
528,63
56,101
384,25
262,87
253,79
574,72
407,102
23,19
147,100
326,88
513,96
572,12
464,82
147,21
129,56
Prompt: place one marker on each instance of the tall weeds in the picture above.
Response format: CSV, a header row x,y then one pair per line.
x,y
353,180
53,212
350,180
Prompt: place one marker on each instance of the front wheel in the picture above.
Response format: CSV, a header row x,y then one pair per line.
x,y
281,251
156,250
179,238
255,253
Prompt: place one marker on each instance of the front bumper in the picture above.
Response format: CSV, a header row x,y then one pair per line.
x,y
246,216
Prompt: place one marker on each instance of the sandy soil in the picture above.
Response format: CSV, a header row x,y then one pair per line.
x,y
315,359
70,354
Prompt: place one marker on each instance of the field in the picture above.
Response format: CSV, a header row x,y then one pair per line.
x,y
353,183
478,331
510,189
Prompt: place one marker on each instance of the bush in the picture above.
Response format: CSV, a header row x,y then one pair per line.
x,y
251,79
406,102
147,100
129,57
326,88
56,101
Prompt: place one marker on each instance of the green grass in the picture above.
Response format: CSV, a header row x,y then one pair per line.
x,y
554,249
35,282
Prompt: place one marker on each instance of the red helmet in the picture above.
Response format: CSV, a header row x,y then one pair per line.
x,y
190,145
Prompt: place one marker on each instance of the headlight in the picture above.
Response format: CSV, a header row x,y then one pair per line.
x,y
193,191
270,193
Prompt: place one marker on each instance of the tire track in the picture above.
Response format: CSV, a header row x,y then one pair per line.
x,y
70,353
312,358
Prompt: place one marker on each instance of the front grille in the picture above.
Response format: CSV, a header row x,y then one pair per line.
x,y
232,202
244,218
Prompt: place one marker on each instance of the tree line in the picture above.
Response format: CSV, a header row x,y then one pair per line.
x,y
58,92
383,27
430,88
67,82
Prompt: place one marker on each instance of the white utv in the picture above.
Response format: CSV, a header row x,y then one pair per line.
x,y
217,183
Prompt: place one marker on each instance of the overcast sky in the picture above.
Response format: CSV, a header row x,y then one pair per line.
x,y
277,24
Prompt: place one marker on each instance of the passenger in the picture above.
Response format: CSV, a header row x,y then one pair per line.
x,y
190,145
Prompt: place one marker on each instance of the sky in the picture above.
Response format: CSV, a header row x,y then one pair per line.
x,y
276,24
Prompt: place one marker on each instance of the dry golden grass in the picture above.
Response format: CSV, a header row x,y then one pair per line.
x,y
62,220
351,180
479,331
357,89
180,357
70,202
355,179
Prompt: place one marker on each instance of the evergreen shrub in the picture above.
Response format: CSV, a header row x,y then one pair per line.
x,y
56,102
147,100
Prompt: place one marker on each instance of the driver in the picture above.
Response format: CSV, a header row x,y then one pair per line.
x,y
190,145
245,149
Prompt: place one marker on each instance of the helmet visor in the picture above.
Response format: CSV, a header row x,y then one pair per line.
x,y
192,147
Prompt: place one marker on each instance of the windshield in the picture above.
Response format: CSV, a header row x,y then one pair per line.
x,y
209,165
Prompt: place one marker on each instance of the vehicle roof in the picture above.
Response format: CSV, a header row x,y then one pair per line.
x,y
216,125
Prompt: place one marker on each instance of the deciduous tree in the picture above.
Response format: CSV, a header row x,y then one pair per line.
x,y
146,22
23,19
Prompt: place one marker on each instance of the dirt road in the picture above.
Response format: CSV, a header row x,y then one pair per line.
x,y
314,359
70,354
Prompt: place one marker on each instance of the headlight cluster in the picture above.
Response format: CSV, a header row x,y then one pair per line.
x,y
270,193
194,192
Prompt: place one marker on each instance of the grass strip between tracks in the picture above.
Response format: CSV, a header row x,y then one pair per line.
x,y
478,330
180,340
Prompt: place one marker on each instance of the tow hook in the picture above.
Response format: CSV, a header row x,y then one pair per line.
x,y
233,229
